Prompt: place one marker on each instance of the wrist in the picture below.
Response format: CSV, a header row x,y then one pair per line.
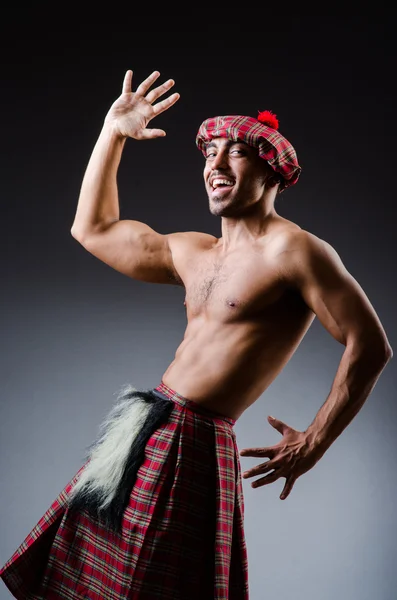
x,y
316,441
110,130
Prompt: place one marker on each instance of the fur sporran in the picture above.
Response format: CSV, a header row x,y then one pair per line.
x,y
113,459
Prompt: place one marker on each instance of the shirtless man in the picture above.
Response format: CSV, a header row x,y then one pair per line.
x,y
251,295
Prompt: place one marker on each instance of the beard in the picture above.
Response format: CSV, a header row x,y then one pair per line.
x,y
223,208
228,210
232,208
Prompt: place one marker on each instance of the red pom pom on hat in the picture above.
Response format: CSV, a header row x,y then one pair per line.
x,y
268,118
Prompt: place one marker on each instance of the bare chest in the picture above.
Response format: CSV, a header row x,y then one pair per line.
x,y
236,287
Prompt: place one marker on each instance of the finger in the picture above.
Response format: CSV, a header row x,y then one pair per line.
x,y
260,469
164,104
277,424
127,82
289,484
145,85
148,134
259,452
265,480
158,91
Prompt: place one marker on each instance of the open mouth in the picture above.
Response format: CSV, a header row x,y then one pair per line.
x,y
221,184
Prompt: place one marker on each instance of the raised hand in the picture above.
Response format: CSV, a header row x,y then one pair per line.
x,y
130,114
290,458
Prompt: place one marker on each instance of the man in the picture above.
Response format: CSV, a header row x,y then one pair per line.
x,y
251,296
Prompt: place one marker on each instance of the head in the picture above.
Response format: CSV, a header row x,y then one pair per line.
x,y
247,160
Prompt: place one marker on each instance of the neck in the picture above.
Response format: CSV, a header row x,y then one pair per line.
x,y
248,227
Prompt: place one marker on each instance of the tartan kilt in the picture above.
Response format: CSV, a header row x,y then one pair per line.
x,y
180,535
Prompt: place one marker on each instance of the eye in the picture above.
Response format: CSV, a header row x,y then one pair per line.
x,y
210,155
237,151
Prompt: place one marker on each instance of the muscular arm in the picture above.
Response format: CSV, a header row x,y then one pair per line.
x,y
131,247
345,311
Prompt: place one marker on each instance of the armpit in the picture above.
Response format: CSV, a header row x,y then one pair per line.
x,y
173,276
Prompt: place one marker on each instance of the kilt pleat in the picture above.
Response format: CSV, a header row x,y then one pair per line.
x,y
182,528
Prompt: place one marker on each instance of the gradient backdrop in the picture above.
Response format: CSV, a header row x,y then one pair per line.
x,y
74,330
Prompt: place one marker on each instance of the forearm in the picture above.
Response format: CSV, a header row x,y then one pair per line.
x,y
98,202
356,377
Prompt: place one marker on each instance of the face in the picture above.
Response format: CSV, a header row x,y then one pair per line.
x,y
234,177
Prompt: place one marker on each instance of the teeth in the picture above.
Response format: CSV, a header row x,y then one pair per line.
x,y
217,182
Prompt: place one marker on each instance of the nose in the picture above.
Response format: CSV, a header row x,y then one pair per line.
x,y
220,160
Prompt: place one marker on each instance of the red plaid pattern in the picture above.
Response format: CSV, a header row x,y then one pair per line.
x,y
182,535
272,146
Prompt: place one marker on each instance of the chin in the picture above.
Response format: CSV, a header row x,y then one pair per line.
x,y
224,210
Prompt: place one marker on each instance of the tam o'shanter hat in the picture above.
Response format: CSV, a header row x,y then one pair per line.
x,y
261,133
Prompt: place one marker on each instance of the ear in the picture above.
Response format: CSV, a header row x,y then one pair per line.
x,y
272,180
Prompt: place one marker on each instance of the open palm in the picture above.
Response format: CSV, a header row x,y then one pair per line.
x,y
130,114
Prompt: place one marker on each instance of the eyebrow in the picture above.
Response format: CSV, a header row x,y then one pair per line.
x,y
228,144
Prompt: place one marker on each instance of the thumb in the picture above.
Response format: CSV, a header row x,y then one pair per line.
x,y
279,425
149,134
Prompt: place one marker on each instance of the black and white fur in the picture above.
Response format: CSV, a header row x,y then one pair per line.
x,y
113,460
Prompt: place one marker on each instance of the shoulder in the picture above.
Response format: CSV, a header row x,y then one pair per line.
x,y
302,254
306,244
190,240
193,237
287,236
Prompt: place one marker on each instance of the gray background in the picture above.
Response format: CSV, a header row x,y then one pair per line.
x,y
74,330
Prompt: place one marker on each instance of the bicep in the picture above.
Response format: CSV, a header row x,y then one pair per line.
x,y
335,296
134,249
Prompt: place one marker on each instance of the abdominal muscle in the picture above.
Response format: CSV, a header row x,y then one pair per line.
x,y
227,366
